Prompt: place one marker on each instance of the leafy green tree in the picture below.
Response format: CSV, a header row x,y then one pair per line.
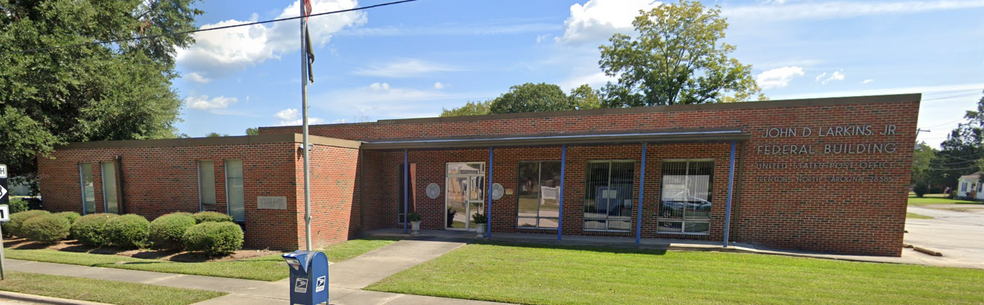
x,y
678,57
470,108
922,157
215,135
583,97
962,151
252,131
93,91
530,97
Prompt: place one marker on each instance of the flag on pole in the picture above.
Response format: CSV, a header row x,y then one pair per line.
x,y
307,40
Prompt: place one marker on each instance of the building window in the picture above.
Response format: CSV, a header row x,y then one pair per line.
x,y
538,204
88,188
234,190
110,200
685,202
206,185
608,196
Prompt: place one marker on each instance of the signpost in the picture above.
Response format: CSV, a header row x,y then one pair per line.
x,y
4,214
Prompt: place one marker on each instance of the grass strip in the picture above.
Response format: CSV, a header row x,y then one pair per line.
x,y
102,291
531,274
916,201
266,268
916,216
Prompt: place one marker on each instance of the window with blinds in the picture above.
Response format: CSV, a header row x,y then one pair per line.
x,y
685,199
608,196
234,190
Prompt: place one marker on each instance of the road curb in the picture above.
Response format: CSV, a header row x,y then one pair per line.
x,y
927,251
42,299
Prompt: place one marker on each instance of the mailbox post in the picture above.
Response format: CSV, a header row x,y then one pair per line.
x,y
308,277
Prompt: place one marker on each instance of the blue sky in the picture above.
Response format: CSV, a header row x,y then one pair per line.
x,y
412,59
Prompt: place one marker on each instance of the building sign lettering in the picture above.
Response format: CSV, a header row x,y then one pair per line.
x,y
824,148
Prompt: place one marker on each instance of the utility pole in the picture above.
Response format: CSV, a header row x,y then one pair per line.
x,y
306,145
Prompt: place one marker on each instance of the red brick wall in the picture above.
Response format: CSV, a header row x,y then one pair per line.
x,y
773,206
333,177
161,180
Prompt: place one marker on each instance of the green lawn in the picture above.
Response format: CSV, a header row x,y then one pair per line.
x,y
938,200
102,291
550,275
916,216
267,268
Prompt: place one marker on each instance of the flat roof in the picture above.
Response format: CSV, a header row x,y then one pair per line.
x,y
231,140
596,138
831,101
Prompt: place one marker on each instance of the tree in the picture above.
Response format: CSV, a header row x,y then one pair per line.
x,y
470,108
921,164
215,135
93,91
530,97
252,131
962,151
583,97
678,57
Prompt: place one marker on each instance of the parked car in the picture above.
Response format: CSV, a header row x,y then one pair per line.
x,y
676,207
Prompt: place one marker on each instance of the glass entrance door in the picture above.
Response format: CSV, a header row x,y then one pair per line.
x,y
464,194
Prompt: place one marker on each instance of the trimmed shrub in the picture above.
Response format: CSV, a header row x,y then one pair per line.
x,y
90,229
920,189
128,231
70,216
209,216
952,194
167,232
13,226
214,238
48,228
17,205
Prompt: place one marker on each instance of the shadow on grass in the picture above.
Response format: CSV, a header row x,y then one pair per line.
x,y
626,249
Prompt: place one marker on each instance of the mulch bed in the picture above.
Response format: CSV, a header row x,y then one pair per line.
x,y
166,255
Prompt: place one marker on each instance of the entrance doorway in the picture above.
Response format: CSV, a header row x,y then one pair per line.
x,y
464,194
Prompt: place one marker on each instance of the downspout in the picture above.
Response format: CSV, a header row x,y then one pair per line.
x,y
642,186
731,188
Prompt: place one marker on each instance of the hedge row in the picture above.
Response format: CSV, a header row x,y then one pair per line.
x,y
210,232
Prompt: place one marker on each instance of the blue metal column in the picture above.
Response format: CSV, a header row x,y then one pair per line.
x,y
406,202
563,166
488,194
642,186
731,189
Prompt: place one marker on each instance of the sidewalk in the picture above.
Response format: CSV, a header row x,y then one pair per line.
x,y
345,278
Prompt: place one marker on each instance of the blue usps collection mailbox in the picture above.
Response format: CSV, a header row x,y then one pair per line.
x,y
308,277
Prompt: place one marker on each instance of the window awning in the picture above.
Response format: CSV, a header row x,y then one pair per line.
x,y
655,136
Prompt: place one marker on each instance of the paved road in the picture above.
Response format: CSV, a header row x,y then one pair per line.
x,y
957,231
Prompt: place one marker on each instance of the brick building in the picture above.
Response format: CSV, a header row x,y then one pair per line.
x,y
826,175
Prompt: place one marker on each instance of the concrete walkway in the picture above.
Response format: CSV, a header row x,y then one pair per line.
x,y
345,278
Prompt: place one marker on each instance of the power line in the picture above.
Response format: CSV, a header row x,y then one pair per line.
x,y
952,96
206,30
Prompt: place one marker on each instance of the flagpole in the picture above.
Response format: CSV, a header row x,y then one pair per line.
x,y
307,148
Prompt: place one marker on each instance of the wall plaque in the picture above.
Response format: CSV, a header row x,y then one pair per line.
x,y
433,190
497,191
271,202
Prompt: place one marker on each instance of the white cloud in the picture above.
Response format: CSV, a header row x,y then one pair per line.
x,y
779,77
596,80
222,52
842,9
198,78
202,102
867,81
599,19
836,76
291,116
899,90
820,77
438,85
403,68
379,87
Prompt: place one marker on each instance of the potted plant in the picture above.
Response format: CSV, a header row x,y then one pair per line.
x,y
479,220
414,219
450,218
